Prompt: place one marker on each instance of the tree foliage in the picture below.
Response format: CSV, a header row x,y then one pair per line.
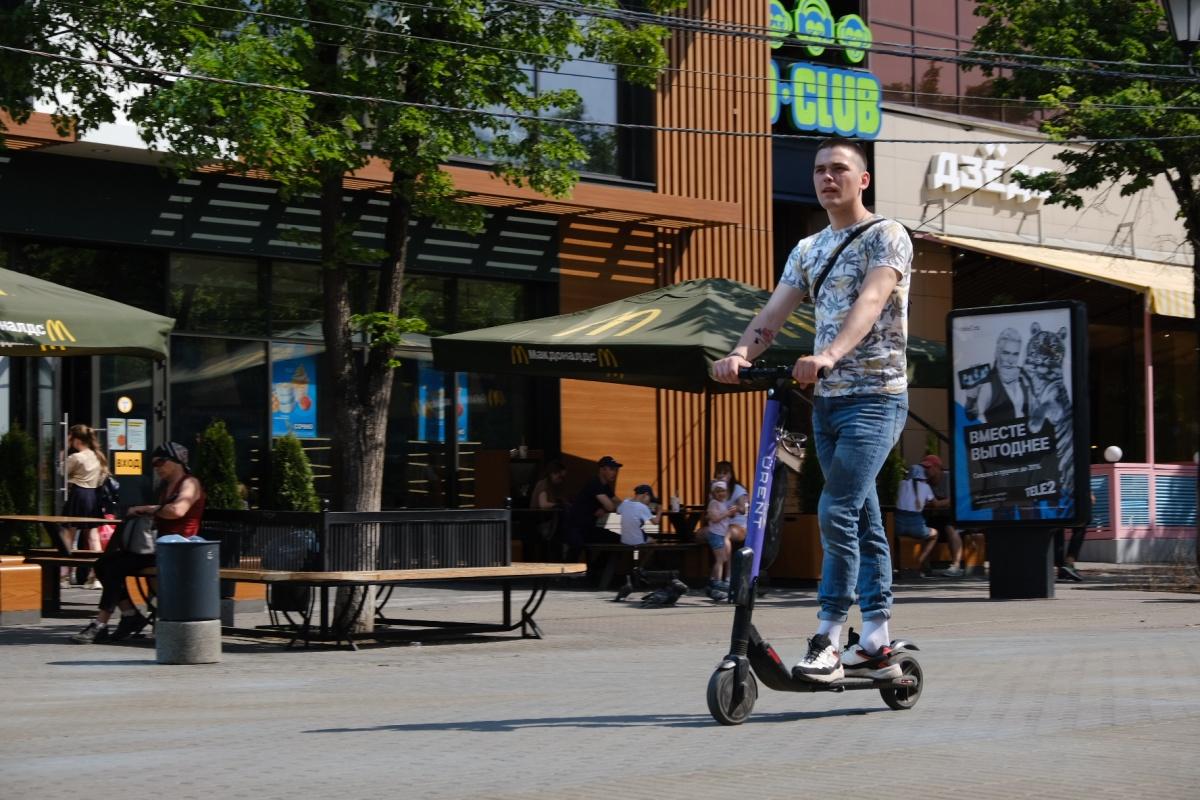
x,y
409,84
1081,97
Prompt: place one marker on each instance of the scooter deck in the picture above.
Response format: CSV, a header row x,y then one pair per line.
x,y
849,684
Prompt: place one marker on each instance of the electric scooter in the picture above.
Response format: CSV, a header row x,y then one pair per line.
x,y
732,690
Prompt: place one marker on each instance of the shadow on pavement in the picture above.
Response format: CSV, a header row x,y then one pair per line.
x,y
616,721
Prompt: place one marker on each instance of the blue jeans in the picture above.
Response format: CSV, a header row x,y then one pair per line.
x,y
853,436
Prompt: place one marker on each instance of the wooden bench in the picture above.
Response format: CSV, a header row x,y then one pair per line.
x,y
52,562
333,629
20,598
613,554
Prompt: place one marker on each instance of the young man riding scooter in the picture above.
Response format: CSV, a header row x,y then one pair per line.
x,y
859,407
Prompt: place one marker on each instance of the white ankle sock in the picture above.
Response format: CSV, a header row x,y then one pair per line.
x,y
833,630
874,635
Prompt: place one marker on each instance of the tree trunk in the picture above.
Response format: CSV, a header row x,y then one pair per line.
x,y
362,382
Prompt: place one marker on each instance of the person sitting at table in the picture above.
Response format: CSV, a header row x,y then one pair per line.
x,y
180,507
911,498
739,498
549,497
636,512
595,501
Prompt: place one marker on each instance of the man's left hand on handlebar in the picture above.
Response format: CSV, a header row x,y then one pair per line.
x,y
726,370
809,368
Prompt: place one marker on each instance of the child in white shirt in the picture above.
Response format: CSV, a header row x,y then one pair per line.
x,y
635,512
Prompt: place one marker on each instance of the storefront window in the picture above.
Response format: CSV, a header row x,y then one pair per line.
x,y
128,431
213,294
296,301
130,276
222,379
482,304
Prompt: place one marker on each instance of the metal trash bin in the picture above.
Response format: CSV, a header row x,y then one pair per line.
x,y
188,628
189,579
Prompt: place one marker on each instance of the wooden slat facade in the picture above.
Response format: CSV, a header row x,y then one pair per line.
x,y
665,437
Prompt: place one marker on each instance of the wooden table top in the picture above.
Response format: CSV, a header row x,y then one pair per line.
x,y
52,518
518,570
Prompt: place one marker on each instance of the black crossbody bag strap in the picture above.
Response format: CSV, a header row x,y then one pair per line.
x,y
816,290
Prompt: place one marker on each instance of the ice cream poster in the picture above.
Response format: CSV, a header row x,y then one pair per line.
x,y
294,397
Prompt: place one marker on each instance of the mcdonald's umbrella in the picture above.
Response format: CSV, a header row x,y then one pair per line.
x,y
665,338
40,318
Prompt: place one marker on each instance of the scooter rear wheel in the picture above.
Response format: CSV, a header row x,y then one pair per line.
x,y
903,699
720,697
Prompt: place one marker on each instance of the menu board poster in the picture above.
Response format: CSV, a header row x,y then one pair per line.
x,y
115,433
135,434
294,397
1018,409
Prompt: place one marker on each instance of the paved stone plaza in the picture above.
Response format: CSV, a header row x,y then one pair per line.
x,y
1094,694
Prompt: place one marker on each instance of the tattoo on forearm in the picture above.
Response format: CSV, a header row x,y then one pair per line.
x,y
764,336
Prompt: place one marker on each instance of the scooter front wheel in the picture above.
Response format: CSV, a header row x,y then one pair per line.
x,y
720,697
905,698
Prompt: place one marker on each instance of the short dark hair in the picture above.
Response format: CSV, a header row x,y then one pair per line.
x,y
850,144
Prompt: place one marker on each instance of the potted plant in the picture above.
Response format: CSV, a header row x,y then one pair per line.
x,y
216,467
291,477
18,490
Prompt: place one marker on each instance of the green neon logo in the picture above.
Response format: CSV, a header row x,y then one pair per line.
x,y
812,24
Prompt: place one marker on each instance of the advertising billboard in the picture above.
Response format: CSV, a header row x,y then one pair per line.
x,y
1019,415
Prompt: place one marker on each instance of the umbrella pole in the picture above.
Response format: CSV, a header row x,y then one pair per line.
x,y
707,442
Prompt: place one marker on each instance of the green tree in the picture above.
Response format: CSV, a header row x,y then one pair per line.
x,y
1082,99
18,488
291,477
215,465
449,71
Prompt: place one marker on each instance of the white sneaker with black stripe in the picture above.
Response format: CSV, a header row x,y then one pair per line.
x,y
822,663
857,663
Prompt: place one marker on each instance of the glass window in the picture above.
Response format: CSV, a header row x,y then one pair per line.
x,y
213,294
296,301
898,11
126,376
597,88
227,380
130,276
482,304
429,298
936,16
936,80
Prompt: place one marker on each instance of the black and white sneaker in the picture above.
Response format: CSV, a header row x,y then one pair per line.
x,y
821,663
94,633
130,625
857,663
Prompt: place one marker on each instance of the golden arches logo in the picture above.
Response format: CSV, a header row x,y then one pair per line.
x,y
638,319
519,355
606,358
57,331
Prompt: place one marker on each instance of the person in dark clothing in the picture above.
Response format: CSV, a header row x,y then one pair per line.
x,y
595,501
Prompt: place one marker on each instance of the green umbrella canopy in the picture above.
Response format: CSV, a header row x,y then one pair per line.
x,y
40,318
665,338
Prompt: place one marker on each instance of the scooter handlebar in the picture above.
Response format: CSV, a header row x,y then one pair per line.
x,y
772,373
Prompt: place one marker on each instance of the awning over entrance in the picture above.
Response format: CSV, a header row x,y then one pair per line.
x,y
1169,287
40,318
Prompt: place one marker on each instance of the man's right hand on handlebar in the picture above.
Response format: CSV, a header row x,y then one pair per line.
x,y
726,369
809,368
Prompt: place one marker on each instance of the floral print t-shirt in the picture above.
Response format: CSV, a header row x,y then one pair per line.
x,y
877,365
